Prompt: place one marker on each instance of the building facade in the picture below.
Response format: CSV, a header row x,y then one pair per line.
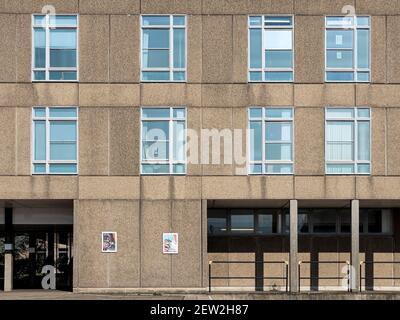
x,y
190,145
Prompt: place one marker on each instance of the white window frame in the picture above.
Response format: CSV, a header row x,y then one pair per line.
x,y
48,161
263,46
264,162
47,68
355,119
171,162
171,28
355,69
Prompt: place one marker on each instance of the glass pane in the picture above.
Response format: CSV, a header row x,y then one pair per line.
x,y
179,20
324,221
363,113
39,168
339,76
363,140
179,76
340,168
279,168
156,59
242,223
63,168
278,59
40,140
155,168
155,131
340,113
39,20
278,131
279,76
255,112
363,48
63,20
62,131
278,39
275,113
39,112
155,112
63,151
256,168
255,48
374,221
216,222
155,20
302,223
364,168
155,75
255,76
62,112
266,224
363,21
255,140
179,113
179,168
40,48
39,75
255,21
340,131
363,76
278,151
63,75
156,39
179,141
155,150
340,151
339,59
63,48
278,21
340,21
339,39
179,48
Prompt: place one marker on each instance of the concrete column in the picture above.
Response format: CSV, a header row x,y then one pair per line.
x,y
355,245
8,254
293,259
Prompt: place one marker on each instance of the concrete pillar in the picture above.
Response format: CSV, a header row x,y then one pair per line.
x,y
8,252
355,245
293,259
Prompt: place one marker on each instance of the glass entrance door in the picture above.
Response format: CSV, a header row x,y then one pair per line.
x,y
35,249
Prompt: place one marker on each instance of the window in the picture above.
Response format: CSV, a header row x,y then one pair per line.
x,y
55,42
270,48
271,140
217,221
55,143
242,221
347,146
163,48
163,147
347,49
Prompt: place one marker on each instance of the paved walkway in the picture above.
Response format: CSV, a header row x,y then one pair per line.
x,y
63,295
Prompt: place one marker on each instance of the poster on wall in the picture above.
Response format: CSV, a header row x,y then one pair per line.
x,y
109,241
170,243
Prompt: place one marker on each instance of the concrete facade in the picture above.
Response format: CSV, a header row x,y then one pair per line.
x,y
110,194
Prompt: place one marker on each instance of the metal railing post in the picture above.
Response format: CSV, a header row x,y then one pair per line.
x,y
349,276
299,276
287,276
209,276
361,275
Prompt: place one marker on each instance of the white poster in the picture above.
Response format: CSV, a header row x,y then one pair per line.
x,y
170,243
109,241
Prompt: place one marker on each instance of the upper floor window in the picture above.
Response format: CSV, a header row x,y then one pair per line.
x,y
347,140
270,48
347,49
55,43
55,143
271,140
163,148
163,48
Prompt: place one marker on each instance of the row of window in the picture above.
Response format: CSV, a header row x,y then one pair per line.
x,y
163,146
310,221
164,48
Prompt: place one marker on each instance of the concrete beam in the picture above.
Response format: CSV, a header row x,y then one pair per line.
x,y
294,281
355,245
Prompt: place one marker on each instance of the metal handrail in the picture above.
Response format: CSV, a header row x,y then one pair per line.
x,y
373,277
310,262
286,277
